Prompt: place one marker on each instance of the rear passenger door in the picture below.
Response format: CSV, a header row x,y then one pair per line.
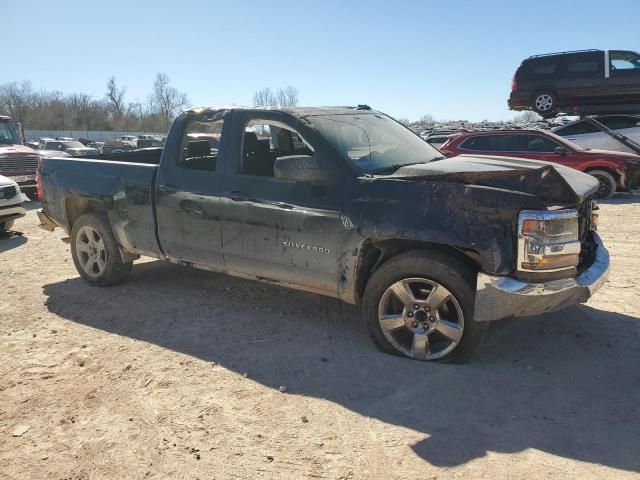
x,y
581,77
188,189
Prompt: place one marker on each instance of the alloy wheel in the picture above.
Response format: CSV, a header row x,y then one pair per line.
x,y
544,102
421,318
91,251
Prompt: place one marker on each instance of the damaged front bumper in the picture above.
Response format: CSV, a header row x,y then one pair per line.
x,y
502,297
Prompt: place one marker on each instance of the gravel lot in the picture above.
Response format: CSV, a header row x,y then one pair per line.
x,y
177,374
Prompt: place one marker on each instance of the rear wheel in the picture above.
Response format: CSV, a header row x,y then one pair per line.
x,y
95,251
607,184
420,305
32,193
545,103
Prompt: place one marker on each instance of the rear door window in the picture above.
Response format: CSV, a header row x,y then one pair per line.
x,y
537,143
491,143
583,64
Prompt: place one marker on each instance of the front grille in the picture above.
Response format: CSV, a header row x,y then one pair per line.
x,y
12,164
8,192
584,219
587,246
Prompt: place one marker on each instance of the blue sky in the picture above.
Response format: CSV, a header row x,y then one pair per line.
x,y
450,59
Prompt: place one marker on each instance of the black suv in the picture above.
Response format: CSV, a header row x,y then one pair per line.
x,y
551,83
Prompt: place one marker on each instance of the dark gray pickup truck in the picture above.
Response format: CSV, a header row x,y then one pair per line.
x,y
343,202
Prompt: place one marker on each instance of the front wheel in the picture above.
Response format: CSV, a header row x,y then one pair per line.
x,y
420,305
607,184
95,251
545,104
31,193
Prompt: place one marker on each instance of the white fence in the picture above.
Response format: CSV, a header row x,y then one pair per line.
x,y
95,135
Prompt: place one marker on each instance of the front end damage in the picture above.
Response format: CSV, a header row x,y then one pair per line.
x,y
500,297
527,289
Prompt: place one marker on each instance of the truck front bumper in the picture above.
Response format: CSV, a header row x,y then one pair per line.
x,y
502,297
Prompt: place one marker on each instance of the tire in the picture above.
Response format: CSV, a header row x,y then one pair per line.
x,y
95,251
32,194
424,272
6,226
545,103
607,188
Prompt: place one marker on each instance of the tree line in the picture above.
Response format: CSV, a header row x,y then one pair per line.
x,y
54,110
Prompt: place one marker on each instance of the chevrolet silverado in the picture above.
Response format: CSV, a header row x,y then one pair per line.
x,y
344,202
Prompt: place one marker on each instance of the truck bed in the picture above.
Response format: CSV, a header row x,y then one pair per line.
x,y
123,190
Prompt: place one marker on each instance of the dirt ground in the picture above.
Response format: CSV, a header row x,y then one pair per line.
x,y
177,374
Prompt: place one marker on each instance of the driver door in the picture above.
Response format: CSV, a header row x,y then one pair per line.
x,y
274,229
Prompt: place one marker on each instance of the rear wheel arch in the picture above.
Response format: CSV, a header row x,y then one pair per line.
x,y
76,207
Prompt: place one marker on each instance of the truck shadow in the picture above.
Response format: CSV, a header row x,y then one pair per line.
x,y
11,240
622,199
567,383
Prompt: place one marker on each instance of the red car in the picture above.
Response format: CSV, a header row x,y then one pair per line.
x,y
615,170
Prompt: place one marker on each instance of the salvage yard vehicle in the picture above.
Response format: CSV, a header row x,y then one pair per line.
x,y
608,80
360,209
615,171
17,161
587,134
11,203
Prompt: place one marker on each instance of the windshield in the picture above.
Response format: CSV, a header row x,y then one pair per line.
x,y
9,134
73,145
374,143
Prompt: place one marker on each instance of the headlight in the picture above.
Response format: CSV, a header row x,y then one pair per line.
x,y
548,240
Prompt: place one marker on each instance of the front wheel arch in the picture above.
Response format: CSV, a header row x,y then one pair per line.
x,y
374,253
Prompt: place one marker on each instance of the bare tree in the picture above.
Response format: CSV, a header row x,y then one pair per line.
x,y
115,97
288,97
282,98
427,119
264,98
16,99
404,121
166,101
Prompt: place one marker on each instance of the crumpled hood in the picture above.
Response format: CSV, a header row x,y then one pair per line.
x,y
548,181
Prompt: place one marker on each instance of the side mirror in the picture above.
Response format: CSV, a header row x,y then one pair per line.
x,y
560,151
300,168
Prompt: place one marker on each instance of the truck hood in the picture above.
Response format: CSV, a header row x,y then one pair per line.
x,y
550,182
15,151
